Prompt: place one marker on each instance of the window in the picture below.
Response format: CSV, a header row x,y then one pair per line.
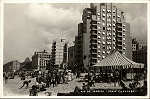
x,y
99,32
108,43
103,42
124,34
114,20
98,22
109,25
103,33
103,10
109,20
103,37
103,28
124,30
108,34
103,19
98,27
114,30
103,52
114,34
118,16
103,57
99,37
99,47
89,12
114,10
113,43
123,38
98,13
114,47
103,23
108,29
98,61
124,25
108,52
108,10
103,47
114,25
99,56
124,48
109,15
108,37
123,53
99,51
108,47
103,14
114,39
98,18
88,16
99,42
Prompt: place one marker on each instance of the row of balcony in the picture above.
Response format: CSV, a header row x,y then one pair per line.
x,y
94,28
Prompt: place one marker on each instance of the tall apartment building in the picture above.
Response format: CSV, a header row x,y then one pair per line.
x,y
59,53
71,57
79,47
104,30
40,60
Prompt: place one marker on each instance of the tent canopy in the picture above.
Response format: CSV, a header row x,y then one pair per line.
x,y
117,59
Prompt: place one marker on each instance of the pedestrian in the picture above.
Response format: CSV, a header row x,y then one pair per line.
x,y
42,86
25,83
53,82
48,80
23,76
77,90
63,77
66,79
78,74
85,87
69,76
5,77
57,78
33,91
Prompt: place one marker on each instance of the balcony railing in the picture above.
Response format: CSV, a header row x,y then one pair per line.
x,y
93,33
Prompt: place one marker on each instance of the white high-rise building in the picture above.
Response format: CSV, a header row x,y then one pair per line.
x,y
59,53
104,30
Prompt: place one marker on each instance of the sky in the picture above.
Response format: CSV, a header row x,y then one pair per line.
x,y
32,27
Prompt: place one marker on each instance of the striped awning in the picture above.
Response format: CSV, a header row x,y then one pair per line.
x,y
118,60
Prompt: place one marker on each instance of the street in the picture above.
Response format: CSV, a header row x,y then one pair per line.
x,y
12,87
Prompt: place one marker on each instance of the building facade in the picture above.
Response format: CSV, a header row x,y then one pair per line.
x,y
11,66
59,53
135,45
40,60
139,51
71,57
140,55
79,48
104,30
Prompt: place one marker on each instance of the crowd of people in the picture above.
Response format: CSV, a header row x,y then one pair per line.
x,y
46,80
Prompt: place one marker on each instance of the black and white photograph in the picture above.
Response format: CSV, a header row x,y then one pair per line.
x,y
75,49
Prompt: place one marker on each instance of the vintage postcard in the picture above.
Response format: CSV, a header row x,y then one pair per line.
x,y
93,48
